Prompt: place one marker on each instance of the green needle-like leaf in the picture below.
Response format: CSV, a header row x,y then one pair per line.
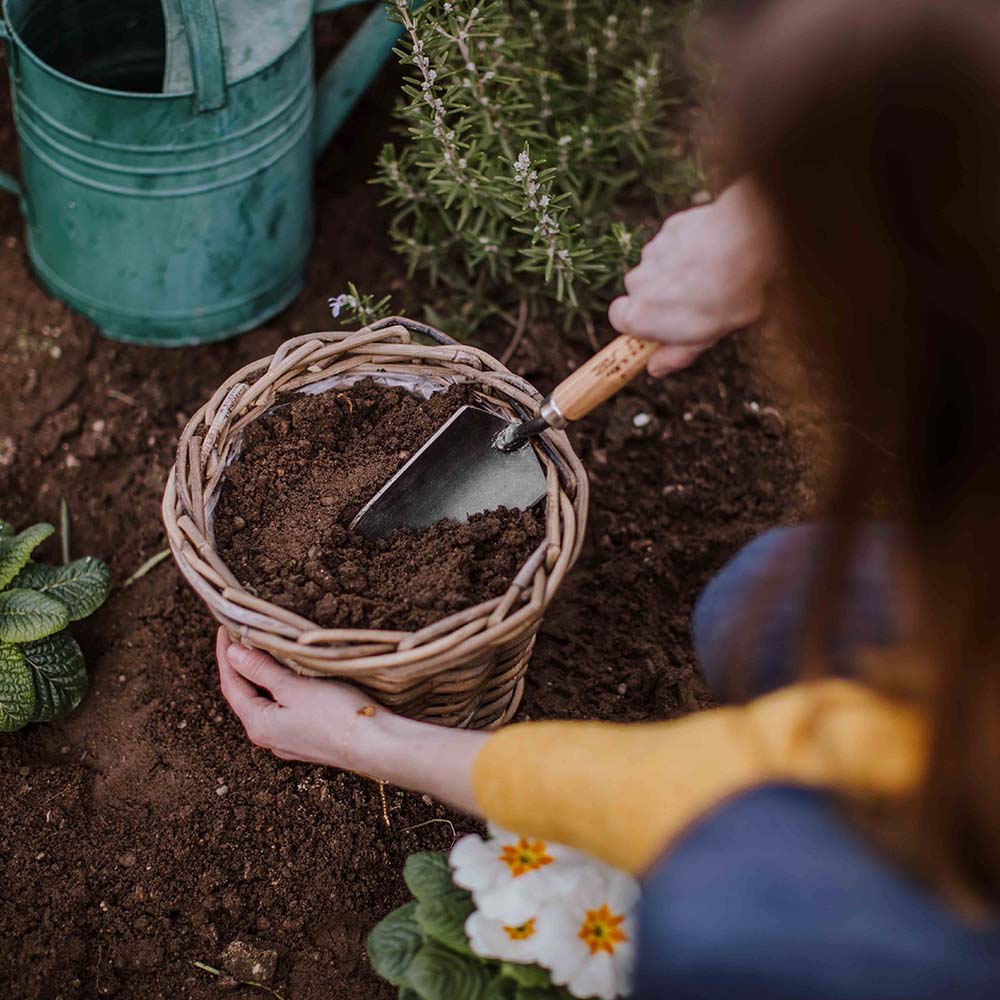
x,y
26,615
17,694
59,675
15,551
81,585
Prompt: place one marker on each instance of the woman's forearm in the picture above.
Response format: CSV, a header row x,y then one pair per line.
x,y
422,758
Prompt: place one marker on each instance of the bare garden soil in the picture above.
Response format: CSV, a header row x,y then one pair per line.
x,y
143,833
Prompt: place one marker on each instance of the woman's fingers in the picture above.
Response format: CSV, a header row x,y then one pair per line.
x,y
252,708
263,671
671,358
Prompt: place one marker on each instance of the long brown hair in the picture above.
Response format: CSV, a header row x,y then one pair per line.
x,y
872,131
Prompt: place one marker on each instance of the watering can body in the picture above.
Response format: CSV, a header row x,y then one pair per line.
x,y
172,218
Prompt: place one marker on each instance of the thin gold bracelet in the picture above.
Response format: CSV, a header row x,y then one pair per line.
x,y
367,712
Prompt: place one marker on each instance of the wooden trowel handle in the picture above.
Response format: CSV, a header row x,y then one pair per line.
x,y
591,384
599,378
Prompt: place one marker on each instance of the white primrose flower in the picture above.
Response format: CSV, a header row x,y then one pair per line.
x,y
511,877
587,937
505,942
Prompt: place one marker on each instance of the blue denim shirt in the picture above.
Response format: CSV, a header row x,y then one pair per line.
x,y
773,896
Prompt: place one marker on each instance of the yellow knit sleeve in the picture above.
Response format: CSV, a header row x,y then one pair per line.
x,y
623,792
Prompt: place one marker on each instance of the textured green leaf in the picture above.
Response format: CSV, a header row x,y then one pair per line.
x,y
444,920
15,551
407,994
6,529
500,989
393,942
548,993
527,975
59,675
17,694
81,585
438,973
26,615
428,876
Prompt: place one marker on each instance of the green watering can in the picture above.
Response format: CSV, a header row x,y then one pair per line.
x,y
167,152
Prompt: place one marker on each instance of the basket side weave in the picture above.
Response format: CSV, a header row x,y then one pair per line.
x,y
464,670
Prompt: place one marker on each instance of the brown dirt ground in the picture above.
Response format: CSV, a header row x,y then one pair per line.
x,y
120,865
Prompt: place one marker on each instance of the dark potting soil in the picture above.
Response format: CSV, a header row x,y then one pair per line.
x,y
143,833
307,468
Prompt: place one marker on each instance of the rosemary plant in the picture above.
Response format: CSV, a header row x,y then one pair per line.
x,y
534,147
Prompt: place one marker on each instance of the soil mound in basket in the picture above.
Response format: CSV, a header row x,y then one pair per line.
x,y
306,469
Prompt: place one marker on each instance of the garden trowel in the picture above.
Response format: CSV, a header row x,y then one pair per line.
x,y
478,461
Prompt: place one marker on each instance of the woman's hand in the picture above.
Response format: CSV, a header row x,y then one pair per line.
x,y
326,722
702,276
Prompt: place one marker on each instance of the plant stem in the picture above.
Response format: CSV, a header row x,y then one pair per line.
x,y
243,982
150,563
64,529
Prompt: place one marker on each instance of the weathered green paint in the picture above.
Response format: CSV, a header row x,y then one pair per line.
x,y
171,218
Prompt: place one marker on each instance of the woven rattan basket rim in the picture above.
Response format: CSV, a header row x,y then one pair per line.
x,y
366,654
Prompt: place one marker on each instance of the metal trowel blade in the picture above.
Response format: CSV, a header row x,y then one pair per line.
x,y
457,473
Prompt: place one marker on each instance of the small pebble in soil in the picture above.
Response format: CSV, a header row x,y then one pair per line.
x,y
246,961
222,790
641,420
622,688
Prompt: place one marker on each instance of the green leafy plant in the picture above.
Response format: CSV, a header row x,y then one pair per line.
x,y
42,672
535,147
422,947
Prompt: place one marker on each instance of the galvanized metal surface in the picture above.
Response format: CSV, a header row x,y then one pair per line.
x,y
456,473
172,218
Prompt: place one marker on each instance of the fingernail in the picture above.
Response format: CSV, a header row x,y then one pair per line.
x,y
238,655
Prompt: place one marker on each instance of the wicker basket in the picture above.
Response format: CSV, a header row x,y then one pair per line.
x,y
465,670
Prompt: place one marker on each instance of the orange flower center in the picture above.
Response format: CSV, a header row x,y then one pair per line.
x,y
525,856
601,930
521,933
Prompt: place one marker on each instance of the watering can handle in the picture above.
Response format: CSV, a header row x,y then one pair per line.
x,y
8,184
208,59
362,57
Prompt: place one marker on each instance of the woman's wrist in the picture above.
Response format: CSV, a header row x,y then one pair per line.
x,y
419,756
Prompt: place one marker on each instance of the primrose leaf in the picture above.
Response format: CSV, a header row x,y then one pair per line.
x,y
438,973
527,975
549,992
536,993
59,675
15,551
81,585
26,615
17,694
428,876
500,989
407,994
393,942
444,920
6,529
